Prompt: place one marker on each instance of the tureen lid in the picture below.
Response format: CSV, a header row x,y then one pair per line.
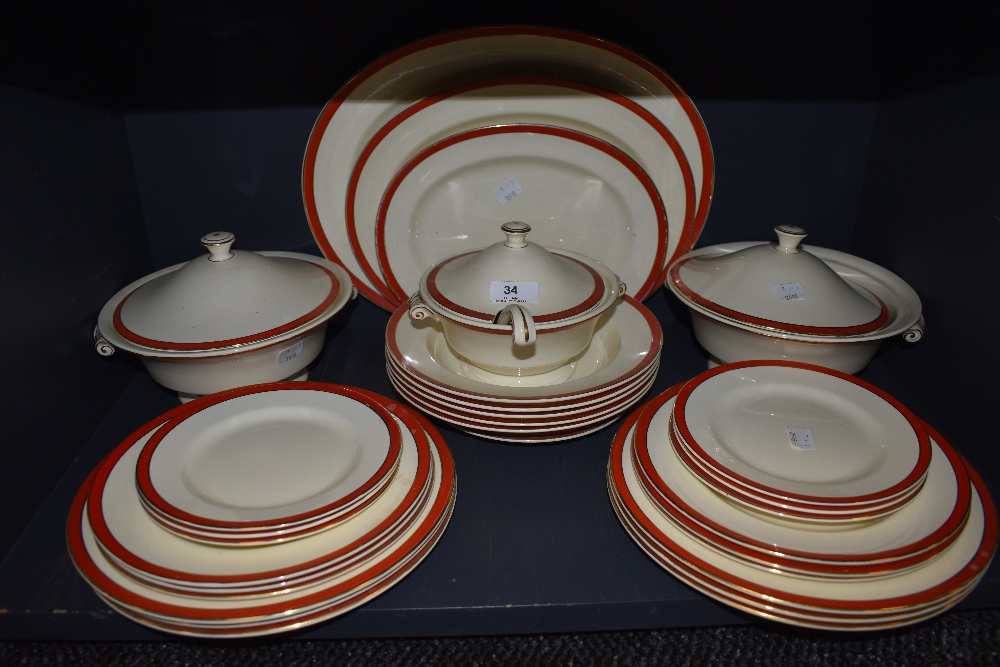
x,y
479,284
779,286
225,298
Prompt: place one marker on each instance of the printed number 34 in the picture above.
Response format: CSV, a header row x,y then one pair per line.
x,y
510,289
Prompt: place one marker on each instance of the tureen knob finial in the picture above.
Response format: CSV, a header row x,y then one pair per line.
x,y
515,231
789,237
218,244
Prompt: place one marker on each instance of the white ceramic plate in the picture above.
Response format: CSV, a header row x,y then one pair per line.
x,y
321,600
519,100
919,531
418,71
131,539
776,611
855,444
262,457
783,510
577,192
940,578
231,628
627,329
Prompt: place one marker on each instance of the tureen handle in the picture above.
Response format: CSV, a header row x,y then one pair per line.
x,y
104,348
419,309
522,326
621,289
916,332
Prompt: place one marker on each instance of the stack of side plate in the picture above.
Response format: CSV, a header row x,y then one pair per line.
x,y
266,466
586,394
426,151
895,570
164,580
801,441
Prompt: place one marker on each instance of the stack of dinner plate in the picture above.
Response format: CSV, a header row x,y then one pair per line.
x,y
425,152
262,509
783,490
582,396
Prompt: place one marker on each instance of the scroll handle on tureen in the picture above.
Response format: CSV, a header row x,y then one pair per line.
x,y
104,348
916,332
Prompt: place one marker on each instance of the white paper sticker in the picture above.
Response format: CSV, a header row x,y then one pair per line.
x,y
513,292
801,438
788,292
290,353
504,193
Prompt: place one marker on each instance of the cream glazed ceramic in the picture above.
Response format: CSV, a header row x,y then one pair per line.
x,y
419,73
868,290
227,319
474,296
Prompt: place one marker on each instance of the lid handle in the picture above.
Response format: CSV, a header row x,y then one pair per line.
x,y
218,244
789,237
515,231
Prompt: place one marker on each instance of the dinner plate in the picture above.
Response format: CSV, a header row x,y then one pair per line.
x,y
269,455
505,101
137,545
631,337
288,622
310,605
577,192
939,579
801,432
418,71
776,611
917,532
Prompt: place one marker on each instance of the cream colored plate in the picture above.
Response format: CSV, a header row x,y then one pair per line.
x,y
921,518
741,421
627,329
264,567
270,455
920,585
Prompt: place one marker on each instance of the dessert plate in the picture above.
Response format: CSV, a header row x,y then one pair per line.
x,y
577,192
920,530
506,101
418,71
786,510
270,455
630,334
939,580
799,432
